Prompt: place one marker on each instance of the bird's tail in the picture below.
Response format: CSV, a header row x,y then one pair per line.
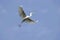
x,y
19,25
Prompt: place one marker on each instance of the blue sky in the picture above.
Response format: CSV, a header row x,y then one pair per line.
x,y
46,11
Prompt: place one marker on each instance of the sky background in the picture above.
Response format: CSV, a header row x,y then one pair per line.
x,y
46,11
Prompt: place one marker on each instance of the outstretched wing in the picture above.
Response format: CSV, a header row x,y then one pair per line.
x,y
21,12
28,20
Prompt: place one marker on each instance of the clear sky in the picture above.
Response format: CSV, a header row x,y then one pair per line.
x,y
46,11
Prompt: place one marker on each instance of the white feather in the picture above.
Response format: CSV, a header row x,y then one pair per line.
x,y
21,5
30,14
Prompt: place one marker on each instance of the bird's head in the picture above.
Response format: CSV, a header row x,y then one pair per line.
x,y
30,14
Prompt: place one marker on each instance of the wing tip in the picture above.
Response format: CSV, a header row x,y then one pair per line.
x,y
21,6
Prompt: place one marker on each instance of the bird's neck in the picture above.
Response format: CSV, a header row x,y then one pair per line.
x,y
28,16
30,13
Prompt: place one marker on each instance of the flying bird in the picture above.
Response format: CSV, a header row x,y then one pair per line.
x,y
24,17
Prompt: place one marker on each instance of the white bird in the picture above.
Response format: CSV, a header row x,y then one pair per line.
x,y
24,17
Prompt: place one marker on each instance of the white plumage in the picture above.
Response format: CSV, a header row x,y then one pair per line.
x,y
25,18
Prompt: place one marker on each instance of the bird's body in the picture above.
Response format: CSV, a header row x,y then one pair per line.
x,y
25,18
